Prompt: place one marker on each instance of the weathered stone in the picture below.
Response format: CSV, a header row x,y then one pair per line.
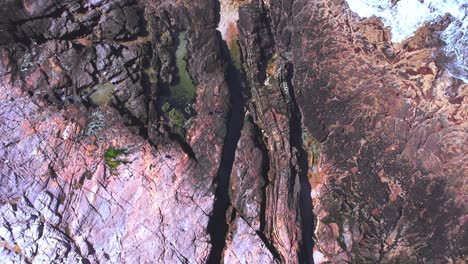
x,y
294,106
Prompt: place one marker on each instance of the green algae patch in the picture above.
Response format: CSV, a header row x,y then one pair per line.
x,y
235,53
111,156
311,146
183,91
102,94
177,122
176,119
166,107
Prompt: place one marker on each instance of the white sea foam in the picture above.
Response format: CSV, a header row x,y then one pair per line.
x,y
407,16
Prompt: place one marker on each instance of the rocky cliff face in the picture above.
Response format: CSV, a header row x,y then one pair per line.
x,y
231,131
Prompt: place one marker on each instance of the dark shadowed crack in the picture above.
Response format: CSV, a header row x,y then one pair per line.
x,y
305,201
217,226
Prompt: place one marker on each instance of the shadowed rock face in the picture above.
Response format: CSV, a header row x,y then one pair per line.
x,y
101,162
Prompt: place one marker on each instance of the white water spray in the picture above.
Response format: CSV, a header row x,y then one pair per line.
x,y
406,16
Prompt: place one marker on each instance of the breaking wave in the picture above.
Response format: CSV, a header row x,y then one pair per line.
x,y
406,16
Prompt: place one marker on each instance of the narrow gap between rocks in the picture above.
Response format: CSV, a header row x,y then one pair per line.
x,y
305,201
218,226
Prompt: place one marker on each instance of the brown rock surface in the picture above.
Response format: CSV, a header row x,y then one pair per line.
x,y
246,242
393,137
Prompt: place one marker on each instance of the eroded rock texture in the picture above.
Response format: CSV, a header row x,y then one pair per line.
x,y
231,131
93,170
393,127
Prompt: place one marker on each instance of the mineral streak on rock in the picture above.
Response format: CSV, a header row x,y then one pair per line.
x,y
230,131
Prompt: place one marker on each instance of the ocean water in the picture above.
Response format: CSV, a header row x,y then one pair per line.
x,y
406,16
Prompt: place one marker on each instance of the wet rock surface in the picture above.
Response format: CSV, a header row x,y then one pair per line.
x,y
232,131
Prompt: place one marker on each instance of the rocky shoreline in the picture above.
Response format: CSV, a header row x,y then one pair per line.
x,y
232,131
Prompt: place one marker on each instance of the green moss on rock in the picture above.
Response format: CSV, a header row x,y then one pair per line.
x,y
166,107
111,157
177,122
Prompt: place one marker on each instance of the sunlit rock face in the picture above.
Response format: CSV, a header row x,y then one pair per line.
x,y
404,17
232,131
63,200
94,168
